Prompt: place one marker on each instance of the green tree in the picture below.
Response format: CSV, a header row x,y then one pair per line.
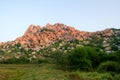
x,y
93,56
78,59
115,56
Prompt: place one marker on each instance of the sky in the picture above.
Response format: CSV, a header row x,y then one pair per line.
x,y
86,15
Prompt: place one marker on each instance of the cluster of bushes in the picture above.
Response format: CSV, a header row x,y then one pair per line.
x,y
89,59
109,66
80,58
23,60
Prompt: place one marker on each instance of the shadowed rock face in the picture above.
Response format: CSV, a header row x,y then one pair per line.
x,y
32,29
38,37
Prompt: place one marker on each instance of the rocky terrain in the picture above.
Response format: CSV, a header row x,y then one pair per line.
x,y
37,37
40,41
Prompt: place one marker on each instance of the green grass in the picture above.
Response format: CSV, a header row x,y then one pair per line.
x,y
90,76
31,72
48,72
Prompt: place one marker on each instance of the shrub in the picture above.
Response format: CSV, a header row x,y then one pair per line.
x,y
117,77
86,57
2,52
39,61
109,66
45,29
83,58
21,60
78,59
115,56
60,58
114,48
93,56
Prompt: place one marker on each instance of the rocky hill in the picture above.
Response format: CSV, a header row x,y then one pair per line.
x,y
108,39
37,37
39,42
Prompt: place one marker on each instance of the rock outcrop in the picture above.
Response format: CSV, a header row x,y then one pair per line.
x,y
37,37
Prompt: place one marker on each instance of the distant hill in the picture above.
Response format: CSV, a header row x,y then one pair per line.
x,y
50,38
37,37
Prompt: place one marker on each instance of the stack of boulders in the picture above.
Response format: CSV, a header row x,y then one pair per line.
x,y
37,37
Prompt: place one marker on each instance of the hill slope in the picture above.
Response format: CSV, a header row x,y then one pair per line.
x,y
37,37
40,41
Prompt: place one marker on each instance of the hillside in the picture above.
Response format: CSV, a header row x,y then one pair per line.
x,y
39,42
37,37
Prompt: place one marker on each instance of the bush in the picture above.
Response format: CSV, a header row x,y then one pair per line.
x,y
86,57
60,58
117,77
21,60
109,66
45,29
78,59
115,56
93,56
39,61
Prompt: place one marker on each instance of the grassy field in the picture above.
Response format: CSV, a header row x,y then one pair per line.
x,y
47,72
31,72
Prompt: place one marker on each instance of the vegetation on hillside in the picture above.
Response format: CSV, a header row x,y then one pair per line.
x,y
90,59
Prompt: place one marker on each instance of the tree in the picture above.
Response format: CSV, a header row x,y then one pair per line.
x,y
115,56
78,59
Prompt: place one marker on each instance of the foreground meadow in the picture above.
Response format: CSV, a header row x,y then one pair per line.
x,y
31,72
47,72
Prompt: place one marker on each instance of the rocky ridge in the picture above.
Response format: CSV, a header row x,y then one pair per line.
x,y
37,37
39,42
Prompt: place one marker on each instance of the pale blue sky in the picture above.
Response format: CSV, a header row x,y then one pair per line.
x,y
88,15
